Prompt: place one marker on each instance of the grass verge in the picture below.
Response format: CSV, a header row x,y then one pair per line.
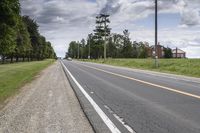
x,y
13,76
187,67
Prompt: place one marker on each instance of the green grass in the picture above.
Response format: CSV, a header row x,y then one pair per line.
x,y
14,76
188,67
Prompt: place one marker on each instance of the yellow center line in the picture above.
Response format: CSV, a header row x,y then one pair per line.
x,y
145,82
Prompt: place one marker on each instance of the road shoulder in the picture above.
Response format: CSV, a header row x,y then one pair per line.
x,y
47,104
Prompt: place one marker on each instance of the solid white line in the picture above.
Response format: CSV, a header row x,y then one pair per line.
x,y
103,116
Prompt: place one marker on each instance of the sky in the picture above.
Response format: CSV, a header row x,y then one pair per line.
x,y
63,21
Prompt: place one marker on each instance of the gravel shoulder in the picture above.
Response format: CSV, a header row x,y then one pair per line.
x,y
46,105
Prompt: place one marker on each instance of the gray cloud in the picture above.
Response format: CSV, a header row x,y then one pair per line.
x,y
111,7
64,20
138,9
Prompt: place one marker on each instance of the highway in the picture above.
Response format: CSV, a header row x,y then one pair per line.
x,y
139,101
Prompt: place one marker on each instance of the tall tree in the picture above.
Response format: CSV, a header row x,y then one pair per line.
x,y
32,27
88,45
73,49
102,30
118,42
111,47
83,54
168,52
41,49
94,46
23,43
50,51
135,49
143,50
127,45
9,16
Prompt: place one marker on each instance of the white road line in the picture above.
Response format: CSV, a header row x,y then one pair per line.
x,y
103,116
121,120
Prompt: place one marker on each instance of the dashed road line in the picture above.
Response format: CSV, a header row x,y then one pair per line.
x,y
103,116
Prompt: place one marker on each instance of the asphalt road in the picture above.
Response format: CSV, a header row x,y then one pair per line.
x,y
139,101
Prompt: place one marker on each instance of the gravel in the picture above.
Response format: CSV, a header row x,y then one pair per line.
x,y
46,105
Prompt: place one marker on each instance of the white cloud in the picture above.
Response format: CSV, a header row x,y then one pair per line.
x,y
192,52
190,17
62,21
188,40
58,19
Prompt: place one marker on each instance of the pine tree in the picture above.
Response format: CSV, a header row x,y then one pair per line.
x,y
102,30
127,45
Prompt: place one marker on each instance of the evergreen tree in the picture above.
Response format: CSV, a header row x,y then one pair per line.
x,y
118,42
102,31
82,49
135,49
168,52
127,45
73,49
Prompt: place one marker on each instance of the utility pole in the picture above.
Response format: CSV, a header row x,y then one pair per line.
x,y
106,31
78,50
89,50
89,37
105,40
156,33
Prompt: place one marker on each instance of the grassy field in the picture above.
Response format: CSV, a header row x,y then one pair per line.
x,y
188,67
13,76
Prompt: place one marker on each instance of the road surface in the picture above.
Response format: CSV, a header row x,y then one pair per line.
x,y
46,105
142,102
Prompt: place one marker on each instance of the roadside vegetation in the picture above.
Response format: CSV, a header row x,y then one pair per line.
x,y
20,39
188,67
14,76
103,43
119,50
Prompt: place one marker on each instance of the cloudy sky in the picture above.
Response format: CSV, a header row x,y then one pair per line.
x,y
62,21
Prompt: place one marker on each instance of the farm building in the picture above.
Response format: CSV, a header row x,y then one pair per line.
x,y
178,53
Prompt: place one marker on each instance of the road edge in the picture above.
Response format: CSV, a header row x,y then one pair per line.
x,y
93,117
34,77
150,72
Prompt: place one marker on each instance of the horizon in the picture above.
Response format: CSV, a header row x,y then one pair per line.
x,y
64,21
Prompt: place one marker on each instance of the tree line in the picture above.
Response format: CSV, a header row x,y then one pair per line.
x,y
117,45
19,35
